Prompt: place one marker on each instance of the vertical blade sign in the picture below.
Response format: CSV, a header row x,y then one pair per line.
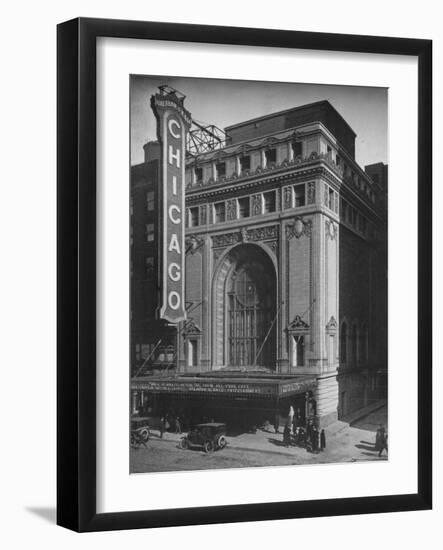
x,y
173,123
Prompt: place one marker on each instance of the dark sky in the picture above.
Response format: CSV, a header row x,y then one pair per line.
x,y
226,102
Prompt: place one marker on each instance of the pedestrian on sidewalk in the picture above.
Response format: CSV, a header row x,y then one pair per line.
x,y
379,437
178,428
322,440
383,444
286,436
308,435
291,416
162,426
277,421
314,437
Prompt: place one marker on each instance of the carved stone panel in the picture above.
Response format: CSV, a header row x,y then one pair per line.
x,y
231,209
287,197
311,192
331,229
298,228
256,204
203,214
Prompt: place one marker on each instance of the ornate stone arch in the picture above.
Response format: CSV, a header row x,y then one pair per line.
x,y
222,273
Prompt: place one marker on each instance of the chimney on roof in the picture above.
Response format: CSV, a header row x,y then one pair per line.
x,y
152,150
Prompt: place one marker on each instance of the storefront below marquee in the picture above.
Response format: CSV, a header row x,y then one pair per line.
x,y
243,403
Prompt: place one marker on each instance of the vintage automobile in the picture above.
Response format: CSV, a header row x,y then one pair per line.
x,y
210,436
139,430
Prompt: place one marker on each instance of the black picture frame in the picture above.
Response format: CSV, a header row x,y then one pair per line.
x,y
77,248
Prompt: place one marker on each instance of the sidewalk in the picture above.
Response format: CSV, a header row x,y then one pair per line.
x,y
344,441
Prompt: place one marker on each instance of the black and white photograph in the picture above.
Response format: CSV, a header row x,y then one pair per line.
x,y
258,274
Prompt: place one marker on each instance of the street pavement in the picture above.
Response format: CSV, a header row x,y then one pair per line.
x,y
344,443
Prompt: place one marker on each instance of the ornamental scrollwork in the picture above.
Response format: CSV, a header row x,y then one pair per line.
x,y
256,205
332,324
269,232
231,209
287,197
311,192
331,229
191,328
193,243
298,228
297,325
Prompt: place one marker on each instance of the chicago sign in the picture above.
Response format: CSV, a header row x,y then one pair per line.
x,y
173,122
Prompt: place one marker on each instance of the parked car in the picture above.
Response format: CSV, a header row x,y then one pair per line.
x,y
210,436
139,430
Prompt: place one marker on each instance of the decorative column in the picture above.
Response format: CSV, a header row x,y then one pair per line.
x,y
290,151
237,165
263,158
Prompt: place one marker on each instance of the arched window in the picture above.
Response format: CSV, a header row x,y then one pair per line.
x,y
250,310
343,342
354,343
363,345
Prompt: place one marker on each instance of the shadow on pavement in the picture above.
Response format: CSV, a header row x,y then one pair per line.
x,y
369,447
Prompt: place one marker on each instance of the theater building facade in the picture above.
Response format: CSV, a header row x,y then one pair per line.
x,y
285,277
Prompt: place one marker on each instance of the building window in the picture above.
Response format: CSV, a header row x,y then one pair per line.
x,y
198,173
269,201
351,215
245,163
354,342
220,170
299,194
331,349
150,200
337,160
297,148
344,209
243,207
149,267
192,353
271,156
343,343
193,216
362,224
297,351
219,212
331,199
150,232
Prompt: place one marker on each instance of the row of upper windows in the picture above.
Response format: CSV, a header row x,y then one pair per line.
x,y
355,219
354,343
352,176
150,202
244,207
331,199
269,158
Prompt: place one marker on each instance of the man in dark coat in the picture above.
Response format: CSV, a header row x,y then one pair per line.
x,y
322,440
314,438
383,443
276,421
287,435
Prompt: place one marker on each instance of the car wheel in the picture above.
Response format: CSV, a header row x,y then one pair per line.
x,y
208,446
184,443
222,442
